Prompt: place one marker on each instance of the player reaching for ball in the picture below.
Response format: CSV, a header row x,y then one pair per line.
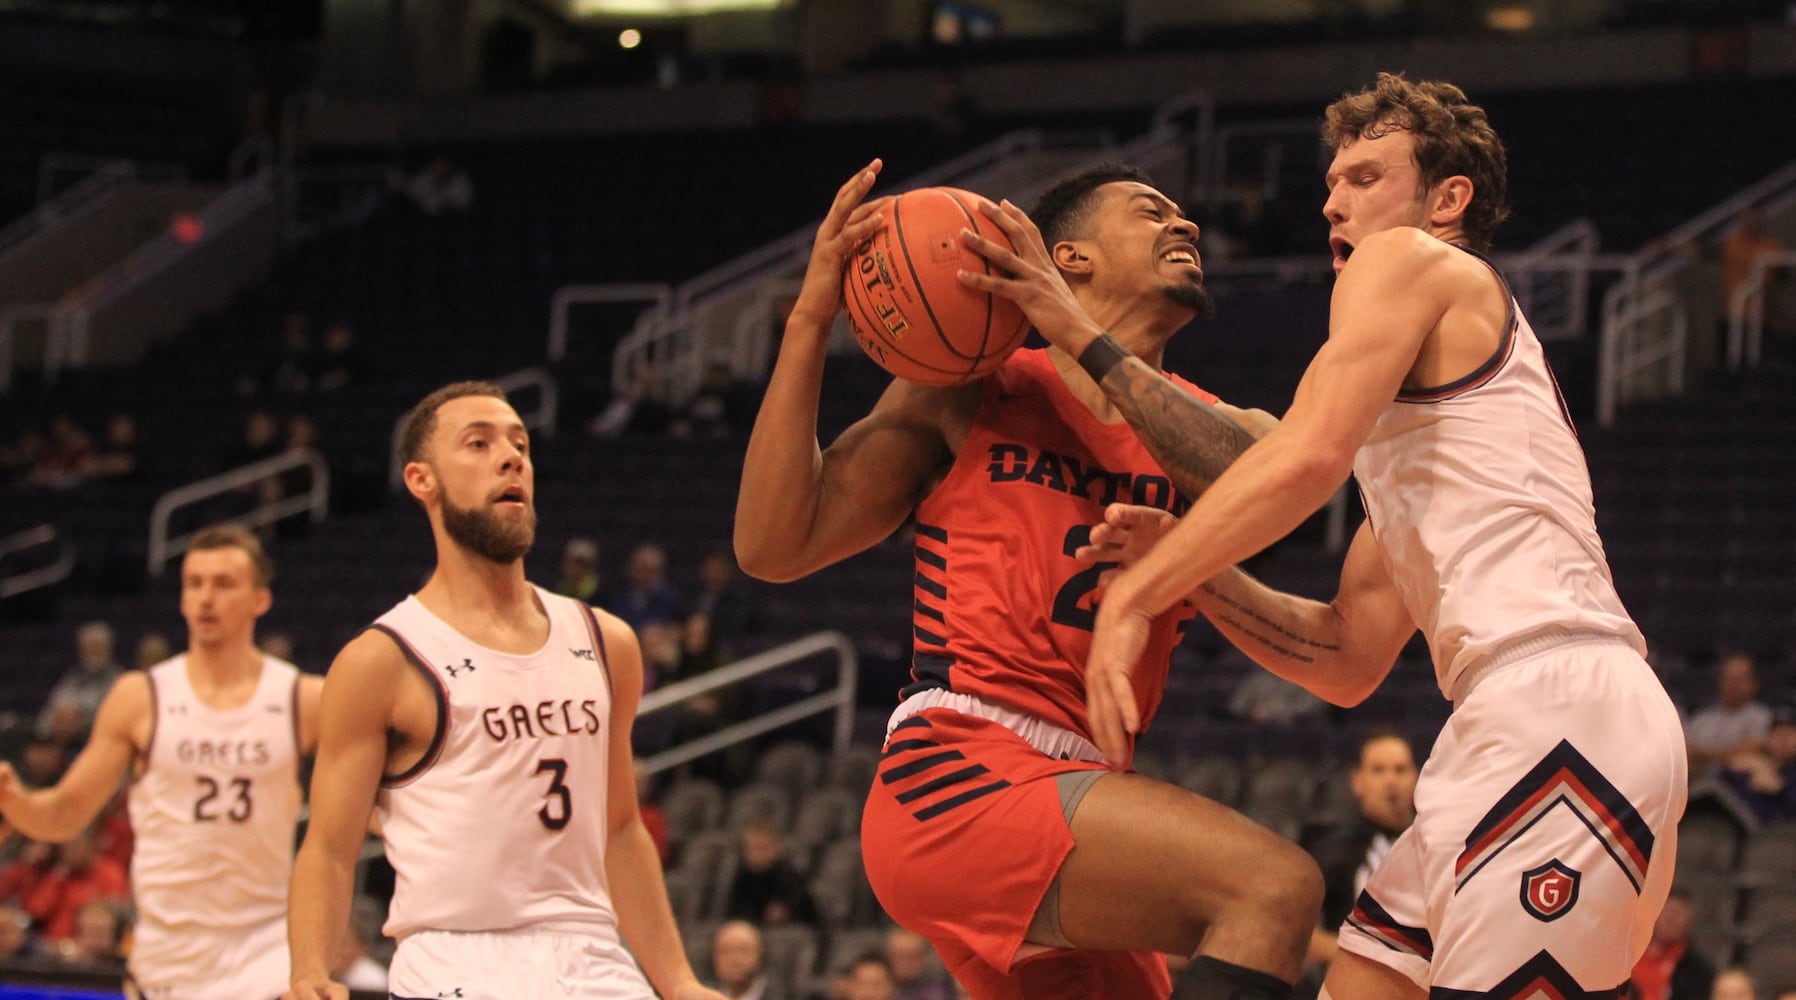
x,y
996,829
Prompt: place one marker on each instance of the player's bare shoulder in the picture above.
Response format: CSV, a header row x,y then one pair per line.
x,y
372,682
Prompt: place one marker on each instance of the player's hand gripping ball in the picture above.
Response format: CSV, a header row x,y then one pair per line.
x,y
909,311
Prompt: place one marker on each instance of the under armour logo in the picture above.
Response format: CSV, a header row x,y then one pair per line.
x,y
584,654
468,665
272,709
177,709
457,991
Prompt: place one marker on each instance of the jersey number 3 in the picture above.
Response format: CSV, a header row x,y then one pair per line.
x,y
553,815
207,809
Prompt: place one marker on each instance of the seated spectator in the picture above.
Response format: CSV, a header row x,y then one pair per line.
x,y
736,961
98,929
647,597
733,614
1671,968
278,645
116,458
1737,721
16,944
579,577
152,648
84,686
29,870
1759,786
1384,793
721,406
870,978
916,972
80,875
261,440
639,410
439,187
16,459
63,462
43,759
339,360
768,888
1734,984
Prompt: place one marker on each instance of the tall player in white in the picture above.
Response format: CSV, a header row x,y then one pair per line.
x,y
487,722
212,739
1545,834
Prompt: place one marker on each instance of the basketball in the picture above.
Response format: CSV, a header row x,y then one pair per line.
x,y
909,311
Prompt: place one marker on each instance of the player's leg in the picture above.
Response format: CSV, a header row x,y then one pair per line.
x,y
1157,867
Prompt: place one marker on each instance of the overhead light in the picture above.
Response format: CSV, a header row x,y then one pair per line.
x,y
1513,18
629,38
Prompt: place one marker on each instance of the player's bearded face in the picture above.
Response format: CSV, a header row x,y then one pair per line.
x,y
481,530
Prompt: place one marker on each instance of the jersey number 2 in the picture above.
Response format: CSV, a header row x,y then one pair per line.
x,y
555,818
1067,607
208,810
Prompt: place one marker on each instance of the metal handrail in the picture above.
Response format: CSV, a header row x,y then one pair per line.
x,y
316,500
540,418
43,576
839,699
108,176
657,294
1746,311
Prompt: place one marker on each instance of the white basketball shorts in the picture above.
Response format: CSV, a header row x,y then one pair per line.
x,y
517,965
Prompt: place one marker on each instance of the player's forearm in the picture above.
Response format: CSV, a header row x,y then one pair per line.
x,y
1298,639
782,472
639,894
1190,439
317,906
47,814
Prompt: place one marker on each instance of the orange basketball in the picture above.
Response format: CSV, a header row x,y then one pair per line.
x,y
909,311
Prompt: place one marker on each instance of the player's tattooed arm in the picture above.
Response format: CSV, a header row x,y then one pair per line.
x,y
1192,440
1265,624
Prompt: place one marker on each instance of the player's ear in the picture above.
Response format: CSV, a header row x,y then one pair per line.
x,y
264,601
1070,257
1452,197
420,480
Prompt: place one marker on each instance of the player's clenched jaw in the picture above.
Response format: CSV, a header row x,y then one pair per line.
x,y
1143,232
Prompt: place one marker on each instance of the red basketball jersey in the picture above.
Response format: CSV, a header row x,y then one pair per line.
x,y
1003,611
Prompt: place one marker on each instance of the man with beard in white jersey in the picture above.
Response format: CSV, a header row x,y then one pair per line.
x,y
487,722
212,740
1545,831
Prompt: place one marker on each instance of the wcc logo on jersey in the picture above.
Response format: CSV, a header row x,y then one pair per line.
x,y
1550,891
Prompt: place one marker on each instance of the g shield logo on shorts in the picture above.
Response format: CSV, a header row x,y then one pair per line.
x,y
1550,891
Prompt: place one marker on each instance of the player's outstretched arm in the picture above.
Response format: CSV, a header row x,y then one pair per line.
x,y
800,507
632,866
354,710
58,813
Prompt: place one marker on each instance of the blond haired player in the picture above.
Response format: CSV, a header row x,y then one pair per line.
x,y
212,739
487,722
1546,816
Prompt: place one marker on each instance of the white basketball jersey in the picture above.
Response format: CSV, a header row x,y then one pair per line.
x,y
214,813
1479,496
502,824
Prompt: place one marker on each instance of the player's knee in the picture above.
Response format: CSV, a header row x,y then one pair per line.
x,y
1291,888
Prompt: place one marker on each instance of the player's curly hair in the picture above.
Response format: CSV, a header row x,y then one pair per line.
x,y
1061,211
1453,138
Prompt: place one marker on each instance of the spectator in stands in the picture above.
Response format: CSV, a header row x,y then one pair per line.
x,y
647,597
152,648
63,462
28,870
722,405
736,961
870,978
768,888
1734,984
733,614
1265,699
1737,721
639,410
698,646
579,577
278,645
43,758
94,944
116,458
1758,786
1384,791
17,458
1740,249
353,965
261,439
916,972
16,944
340,360
79,875
1671,968
96,667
